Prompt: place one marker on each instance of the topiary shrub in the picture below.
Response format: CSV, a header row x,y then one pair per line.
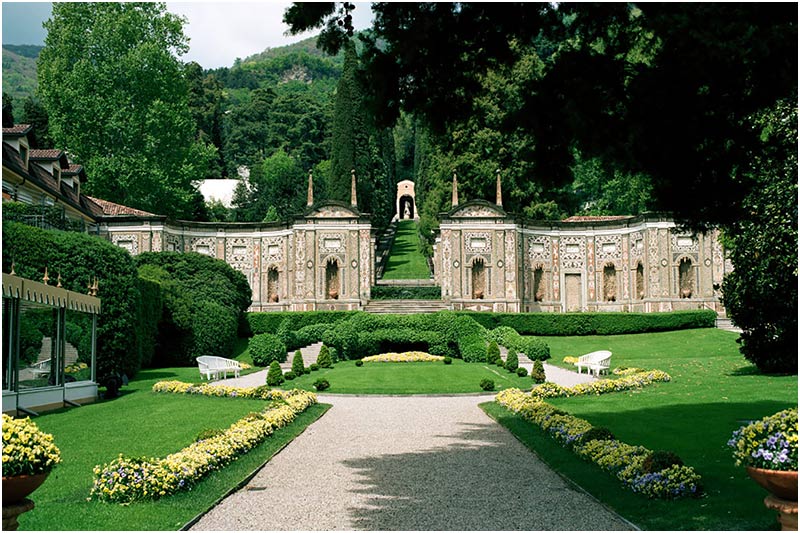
x,y
597,433
274,375
289,376
512,360
522,372
659,460
266,348
298,367
313,367
448,360
493,353
321,384
537,372
536,349
487,384
324,359
359,363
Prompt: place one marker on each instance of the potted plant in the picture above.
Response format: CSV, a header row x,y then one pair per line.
x,y
28,457
768,448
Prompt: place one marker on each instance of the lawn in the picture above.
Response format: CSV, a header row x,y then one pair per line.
x,y
406,261
410,378
143,423
713,392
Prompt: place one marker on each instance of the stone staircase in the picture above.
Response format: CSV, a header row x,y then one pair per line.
x,y
727,324
405,307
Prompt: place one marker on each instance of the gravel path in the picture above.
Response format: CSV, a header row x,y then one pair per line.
x,y
407,463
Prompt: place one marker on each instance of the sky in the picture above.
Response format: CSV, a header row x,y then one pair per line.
x,y
218,32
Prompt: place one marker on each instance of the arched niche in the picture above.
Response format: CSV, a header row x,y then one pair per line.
x,y
685,278
478,279
609,283
333,285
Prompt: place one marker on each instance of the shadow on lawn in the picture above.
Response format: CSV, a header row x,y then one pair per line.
x,y
474,483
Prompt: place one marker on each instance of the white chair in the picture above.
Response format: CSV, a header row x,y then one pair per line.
x,y
595,362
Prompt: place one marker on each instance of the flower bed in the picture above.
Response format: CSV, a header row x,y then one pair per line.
x,y
405,357
225,391
26,449
769,443
625,461
126,479
630,381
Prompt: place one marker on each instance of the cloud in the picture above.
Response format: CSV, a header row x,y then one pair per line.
x,y
221,32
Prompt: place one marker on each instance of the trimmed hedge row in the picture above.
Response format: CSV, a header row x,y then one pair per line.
x,y
442,333
386,292
535,349
563,324
270,322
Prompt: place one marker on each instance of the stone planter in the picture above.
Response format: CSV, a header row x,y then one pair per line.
x,y
17,488
781,483
782,486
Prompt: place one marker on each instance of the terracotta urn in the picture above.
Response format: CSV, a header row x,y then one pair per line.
x,y
17,488
334,294
780,483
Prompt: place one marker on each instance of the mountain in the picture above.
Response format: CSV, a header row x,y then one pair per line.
x,y
19,71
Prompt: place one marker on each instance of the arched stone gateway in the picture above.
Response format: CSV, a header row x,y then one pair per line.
x,y
406,205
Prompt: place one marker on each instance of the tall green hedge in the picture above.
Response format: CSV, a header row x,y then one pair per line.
x,y
204,300
562,324
79,258
270,322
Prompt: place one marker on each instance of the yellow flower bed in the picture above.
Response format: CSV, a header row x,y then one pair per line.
x,y
77,367
570,360
26,449
602,386
127,479
225,391
405,357
621,459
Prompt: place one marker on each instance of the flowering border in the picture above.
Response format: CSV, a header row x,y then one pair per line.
x,y
637,379
125,479
224,391
405,357
623,460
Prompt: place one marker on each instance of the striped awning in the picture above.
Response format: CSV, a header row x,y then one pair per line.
x,y
36,292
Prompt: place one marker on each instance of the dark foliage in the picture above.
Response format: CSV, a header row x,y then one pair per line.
x,y
321,384
659,460
266,349
487,384
597,433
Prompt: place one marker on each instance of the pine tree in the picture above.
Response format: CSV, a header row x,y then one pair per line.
x,y
275,374
324,359
298,367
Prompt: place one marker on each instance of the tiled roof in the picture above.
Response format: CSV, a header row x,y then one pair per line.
x,y
17,130
604,218
73,169
51,154
112,209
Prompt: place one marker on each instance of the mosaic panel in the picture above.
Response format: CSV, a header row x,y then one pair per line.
x,y
204,245
127,241
478,242
573,252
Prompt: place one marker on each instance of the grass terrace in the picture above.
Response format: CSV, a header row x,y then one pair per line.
x,y
143,423
410,378
713,392
406,261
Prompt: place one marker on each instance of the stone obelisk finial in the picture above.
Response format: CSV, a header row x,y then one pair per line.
x,y
310,200
455,189
353,199
499,190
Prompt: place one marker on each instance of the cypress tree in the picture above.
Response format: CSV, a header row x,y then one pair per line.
x,y
298,367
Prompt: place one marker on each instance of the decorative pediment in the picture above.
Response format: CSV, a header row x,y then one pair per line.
x,y
478,209
332,210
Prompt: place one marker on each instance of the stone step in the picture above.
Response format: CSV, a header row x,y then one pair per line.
x,y
727,324
405,307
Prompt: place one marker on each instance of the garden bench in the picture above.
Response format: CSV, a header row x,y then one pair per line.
x,y
211,366
596,362
41,369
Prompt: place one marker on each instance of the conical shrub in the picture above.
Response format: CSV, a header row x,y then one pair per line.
x,y
493,353
512,360
324,359
298,367
538,372
274,375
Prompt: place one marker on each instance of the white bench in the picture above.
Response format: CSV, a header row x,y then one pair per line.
x,y
41,369
596,362
211,366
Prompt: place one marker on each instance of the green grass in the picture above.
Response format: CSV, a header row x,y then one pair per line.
x,y
714,391
138,423
406,261
410,378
